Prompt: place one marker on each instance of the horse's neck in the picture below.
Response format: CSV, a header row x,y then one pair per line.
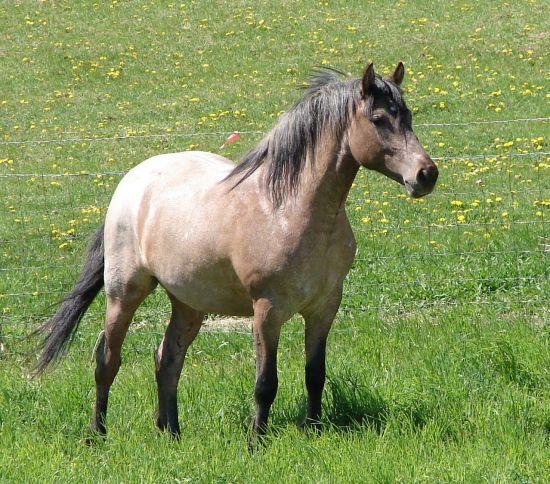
x,y
326,181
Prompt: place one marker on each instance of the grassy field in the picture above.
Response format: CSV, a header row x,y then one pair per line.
x,y
439,362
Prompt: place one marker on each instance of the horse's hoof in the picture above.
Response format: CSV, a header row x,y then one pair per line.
x,y
311,427
256,442
174,434
165,428
95,438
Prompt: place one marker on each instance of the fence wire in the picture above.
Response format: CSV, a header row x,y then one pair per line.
x,y
168,134
492,242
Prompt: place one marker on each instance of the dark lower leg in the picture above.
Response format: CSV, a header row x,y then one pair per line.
x,y
181,331
107,365
315,382
264,394
168,369
267,328
318,324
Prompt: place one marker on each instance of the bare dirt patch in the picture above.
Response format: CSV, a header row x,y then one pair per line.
x,y
225,323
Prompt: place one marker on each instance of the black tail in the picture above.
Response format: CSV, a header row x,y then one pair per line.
x,y
61,328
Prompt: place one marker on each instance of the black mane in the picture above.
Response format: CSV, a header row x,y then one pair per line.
x,y
329,100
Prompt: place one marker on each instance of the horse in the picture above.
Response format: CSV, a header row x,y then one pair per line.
x,y
268,238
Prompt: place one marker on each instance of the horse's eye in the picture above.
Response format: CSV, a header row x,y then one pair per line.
x,y
392,109
378,120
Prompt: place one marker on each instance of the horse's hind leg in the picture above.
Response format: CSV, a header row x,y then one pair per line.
x,y
118,316
181,331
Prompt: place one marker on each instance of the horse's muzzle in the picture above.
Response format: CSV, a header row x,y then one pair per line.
x,y
424,182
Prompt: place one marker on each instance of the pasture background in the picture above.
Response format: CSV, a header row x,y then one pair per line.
x,y
439,360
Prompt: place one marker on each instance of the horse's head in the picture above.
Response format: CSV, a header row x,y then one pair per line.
x,y
381,137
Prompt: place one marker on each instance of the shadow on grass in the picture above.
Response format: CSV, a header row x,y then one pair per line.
x,y
348,406
351,406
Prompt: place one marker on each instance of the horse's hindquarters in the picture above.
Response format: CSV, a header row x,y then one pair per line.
x,y
168,221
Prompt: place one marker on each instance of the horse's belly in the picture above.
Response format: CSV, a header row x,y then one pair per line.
x,y
212,299
209,288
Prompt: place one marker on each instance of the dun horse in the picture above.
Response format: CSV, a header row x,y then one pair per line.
x,y
267,238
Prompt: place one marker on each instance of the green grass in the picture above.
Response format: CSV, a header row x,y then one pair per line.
x,y
439,360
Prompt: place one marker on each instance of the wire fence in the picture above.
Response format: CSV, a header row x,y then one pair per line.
x,y
123,172
169,134
482,240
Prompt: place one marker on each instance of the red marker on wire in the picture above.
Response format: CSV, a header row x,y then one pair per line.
x,y
234,136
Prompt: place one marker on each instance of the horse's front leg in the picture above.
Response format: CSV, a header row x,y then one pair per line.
x,y
268,320
318,322
181,331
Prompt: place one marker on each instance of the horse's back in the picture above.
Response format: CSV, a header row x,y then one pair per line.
x,y
192,165
183,174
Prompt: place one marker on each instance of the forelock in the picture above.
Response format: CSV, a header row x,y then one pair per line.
x,y
384,88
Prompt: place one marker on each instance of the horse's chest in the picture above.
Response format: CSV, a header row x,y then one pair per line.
x,y
327,268
305,268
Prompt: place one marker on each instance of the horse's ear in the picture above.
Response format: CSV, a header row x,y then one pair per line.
x,y
398,74
367,83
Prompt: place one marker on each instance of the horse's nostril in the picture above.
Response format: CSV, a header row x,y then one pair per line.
x,y
421,176
428,175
